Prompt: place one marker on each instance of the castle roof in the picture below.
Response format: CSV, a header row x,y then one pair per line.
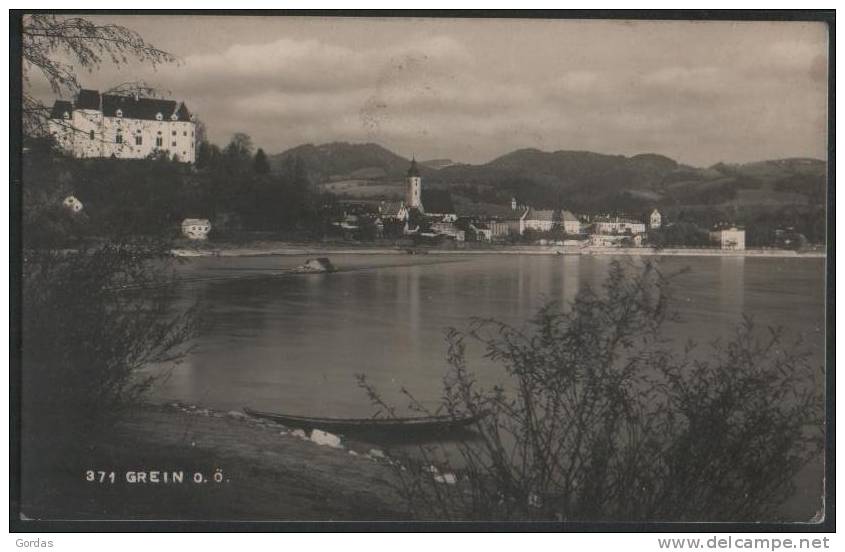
x,y
130,107
88,99
60,108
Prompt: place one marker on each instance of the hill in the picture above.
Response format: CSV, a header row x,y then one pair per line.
x,y
588,182
344,161
581,181
437,164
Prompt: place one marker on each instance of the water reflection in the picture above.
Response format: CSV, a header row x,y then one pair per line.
x,y
570,279
294,344
732,284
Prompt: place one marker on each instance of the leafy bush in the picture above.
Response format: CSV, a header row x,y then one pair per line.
x,y
91,320
600,420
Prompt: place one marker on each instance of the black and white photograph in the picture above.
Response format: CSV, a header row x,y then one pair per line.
x,y
513,268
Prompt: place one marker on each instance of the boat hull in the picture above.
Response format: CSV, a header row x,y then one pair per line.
x,y
392,427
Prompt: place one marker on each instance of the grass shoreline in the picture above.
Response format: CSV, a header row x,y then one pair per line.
x,y
268,473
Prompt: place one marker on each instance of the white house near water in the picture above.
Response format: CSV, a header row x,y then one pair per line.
x,y
72,203
196,229
729,238
618,225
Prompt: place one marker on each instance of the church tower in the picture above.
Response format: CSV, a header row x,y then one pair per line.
x,y
413,191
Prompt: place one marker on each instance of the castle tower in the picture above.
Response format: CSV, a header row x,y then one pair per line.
x,y
413,190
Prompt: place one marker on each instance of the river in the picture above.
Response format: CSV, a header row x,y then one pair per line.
x,y
294,343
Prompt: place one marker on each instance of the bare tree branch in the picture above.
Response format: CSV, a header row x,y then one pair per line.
x,y
47,38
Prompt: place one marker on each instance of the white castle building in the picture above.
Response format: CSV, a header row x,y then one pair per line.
x,y
126,127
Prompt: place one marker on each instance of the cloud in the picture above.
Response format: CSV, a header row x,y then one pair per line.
x,y
699,93
315,66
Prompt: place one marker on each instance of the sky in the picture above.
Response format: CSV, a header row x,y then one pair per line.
x,y
474,89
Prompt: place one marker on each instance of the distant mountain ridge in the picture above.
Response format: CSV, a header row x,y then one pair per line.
x,y
581,180
343,160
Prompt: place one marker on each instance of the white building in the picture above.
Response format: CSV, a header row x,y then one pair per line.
x,y
393,210
491,231
655,220
729,238
448,228
126,127
538,220
72,204
413,191
570,223
617,225
196,229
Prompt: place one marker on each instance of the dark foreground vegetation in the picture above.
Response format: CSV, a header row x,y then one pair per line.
x,y
264,476
150,198
597,418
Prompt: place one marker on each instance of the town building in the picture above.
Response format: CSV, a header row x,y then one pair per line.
x,y
729,238
655,220
394,217
617,225
538,220
448,228
196,229
125,127
393,211
570,223
615,240
492,230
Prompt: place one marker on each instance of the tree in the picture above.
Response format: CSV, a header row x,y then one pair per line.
x,y
240,146
46,38
679,234
86,328
237,155
259,163
208,155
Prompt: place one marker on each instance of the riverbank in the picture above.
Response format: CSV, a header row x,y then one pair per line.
x,y
266,472
262,248
182,462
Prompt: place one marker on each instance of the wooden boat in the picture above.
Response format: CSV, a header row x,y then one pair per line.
x,y
425,425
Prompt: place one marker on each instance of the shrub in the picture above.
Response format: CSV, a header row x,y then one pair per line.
x,y
91,319
599,420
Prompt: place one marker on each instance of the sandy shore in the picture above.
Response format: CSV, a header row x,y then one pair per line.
x,y
267,472
282,248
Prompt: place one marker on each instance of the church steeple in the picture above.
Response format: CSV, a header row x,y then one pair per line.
x,y
413,170
413,190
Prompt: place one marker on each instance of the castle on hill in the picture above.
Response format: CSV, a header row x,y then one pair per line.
x,y
125,127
